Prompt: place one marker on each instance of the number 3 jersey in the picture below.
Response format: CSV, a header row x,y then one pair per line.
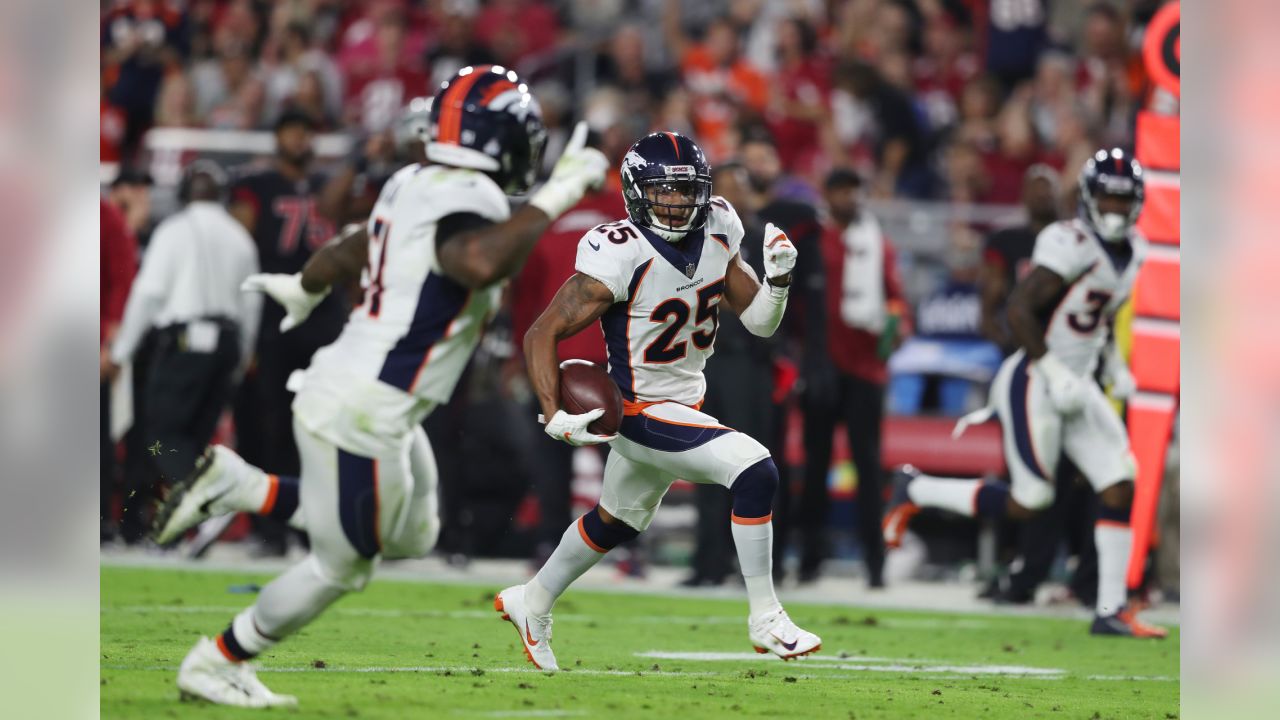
x,y
1099,277
662,326
405,346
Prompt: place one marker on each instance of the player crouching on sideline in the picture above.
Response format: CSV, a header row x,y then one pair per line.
x,y
1060,314
440,243
655,281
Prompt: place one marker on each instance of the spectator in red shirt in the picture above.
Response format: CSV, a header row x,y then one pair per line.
x,y
864,305
119,263
515,30
798,109
549,265
377,93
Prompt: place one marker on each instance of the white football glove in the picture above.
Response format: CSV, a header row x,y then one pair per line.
x,y
1116,374
579,168
286,290
573,428
1066,389
779,253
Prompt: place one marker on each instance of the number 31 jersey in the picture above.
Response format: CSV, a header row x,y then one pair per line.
x,y
404,348
662,326
1099,278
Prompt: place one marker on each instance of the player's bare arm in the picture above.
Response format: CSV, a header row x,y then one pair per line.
x,y
483,256
1031,296
579,303
479,258
740,285
339,262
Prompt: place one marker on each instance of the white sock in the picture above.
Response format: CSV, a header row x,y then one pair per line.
x,y
248,635
572,557
954,494
755,557
1114,542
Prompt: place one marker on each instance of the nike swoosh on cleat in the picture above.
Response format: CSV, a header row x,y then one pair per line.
x,y
788,645
593,245
528,636
204,507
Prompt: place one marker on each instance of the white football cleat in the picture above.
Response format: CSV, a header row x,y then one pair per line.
x,y
206,674
206,492
775,633
534,631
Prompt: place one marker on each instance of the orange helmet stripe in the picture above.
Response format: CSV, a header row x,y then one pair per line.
x,y
452,102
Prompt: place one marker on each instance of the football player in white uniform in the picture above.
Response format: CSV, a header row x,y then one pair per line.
x,y
1044,394
656,282
438,246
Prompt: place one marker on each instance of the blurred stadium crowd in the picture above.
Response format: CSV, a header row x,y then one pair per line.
x,y
951,129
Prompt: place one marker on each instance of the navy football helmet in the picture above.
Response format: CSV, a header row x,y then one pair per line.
x,y
486,119
658,169
1111,174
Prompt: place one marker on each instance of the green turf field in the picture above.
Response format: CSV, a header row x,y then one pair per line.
x,y
416,650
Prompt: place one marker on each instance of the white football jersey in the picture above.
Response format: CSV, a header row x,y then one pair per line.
x,y
404,348
662,326
1076,326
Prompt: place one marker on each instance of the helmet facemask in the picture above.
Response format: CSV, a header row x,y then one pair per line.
x,y
671,206
1114,208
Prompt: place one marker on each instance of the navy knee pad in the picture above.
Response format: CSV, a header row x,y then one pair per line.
x,y
753,492
603,536
1113,515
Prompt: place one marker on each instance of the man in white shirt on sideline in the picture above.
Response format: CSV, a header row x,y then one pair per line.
x,y
188,292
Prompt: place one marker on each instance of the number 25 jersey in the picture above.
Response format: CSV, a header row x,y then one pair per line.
x,y
1098,280
662,326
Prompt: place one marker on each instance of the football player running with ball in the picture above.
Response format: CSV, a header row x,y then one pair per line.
x,y
1044,394
656,281
440,243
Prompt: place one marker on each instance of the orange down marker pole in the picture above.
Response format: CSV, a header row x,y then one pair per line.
x,y
1154,358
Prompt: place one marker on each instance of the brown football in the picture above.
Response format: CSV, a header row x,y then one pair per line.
x,y
586,386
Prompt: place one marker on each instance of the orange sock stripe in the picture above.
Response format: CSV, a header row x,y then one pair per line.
x,y
222,648
1113,523
751,521
273,489
582,530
